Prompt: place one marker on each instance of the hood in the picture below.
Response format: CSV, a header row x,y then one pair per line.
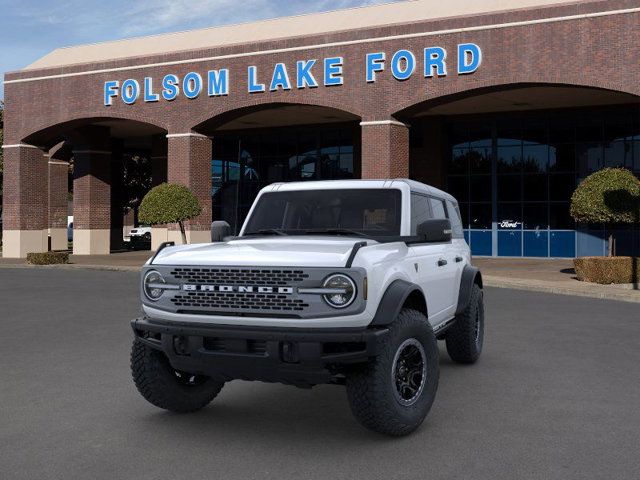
x,y
289,251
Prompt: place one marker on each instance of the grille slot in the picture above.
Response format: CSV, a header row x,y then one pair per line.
x,y
239,301
236,276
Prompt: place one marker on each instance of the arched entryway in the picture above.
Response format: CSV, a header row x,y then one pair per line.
x,y
513,155
92,173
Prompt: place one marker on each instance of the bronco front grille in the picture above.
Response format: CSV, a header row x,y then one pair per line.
x,y
236,276
238,301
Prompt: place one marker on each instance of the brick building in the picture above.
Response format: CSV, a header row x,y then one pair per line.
x,y
506,105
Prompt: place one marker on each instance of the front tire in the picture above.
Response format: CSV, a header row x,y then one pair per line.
x,y
165,387
465,337
393,393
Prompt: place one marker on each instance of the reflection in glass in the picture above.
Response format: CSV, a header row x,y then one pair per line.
x,y
589,158
535,158
618,154
510,159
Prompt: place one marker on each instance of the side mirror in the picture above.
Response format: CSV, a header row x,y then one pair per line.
x,y
219,230
435,230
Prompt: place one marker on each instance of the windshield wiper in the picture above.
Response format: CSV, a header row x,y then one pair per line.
x,y
337,231
266,231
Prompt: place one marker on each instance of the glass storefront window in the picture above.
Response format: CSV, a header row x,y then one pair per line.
x,y
509,158
535,158
530,163
246,162
480,216
535,188
509,188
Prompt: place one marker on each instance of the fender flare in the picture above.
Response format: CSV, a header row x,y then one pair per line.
x,y
392,301
470,276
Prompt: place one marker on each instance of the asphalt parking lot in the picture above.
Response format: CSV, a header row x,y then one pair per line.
x,y
555,395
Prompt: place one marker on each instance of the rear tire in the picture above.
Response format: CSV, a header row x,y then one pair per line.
x,y
163,386
465,337
393,393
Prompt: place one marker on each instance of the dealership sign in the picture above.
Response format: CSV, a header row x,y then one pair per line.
x,y
310,73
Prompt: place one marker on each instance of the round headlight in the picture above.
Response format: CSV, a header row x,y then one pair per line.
x,y
345,291
152,285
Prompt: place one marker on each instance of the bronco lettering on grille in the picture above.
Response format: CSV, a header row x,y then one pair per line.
x,y
237,289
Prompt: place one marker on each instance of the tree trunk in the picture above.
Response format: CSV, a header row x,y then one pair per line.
x,y
184,235
610,253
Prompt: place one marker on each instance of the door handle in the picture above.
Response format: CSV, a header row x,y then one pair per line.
x,y
459,259
442,262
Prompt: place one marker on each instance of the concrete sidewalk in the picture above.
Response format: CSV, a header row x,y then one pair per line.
x,y
548,275
538,275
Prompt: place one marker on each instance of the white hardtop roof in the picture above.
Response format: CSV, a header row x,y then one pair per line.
x,y
278,28
347,184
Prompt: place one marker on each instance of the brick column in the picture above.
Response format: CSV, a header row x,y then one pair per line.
x,y
158,160
189,163
58,192
385,149
25,210
91,191
159,233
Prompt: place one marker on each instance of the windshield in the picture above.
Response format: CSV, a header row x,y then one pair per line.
x,y
360,212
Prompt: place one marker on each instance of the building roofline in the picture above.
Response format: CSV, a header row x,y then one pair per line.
x,y
309,24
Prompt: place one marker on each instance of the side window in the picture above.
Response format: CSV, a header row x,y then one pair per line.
x,y
456,222
420,211
437,206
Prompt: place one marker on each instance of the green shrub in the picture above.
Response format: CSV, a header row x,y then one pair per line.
x,y
169,203
607,270
47,258
609,196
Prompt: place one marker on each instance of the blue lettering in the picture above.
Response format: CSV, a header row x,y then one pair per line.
x,y
170,86
130,91
110,92
403,64
254,87
280,78
375,63
469,58
333,71
435,57
304,76
192,85
149,96
218,82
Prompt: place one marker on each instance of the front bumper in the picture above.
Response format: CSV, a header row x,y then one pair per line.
x,y
302,357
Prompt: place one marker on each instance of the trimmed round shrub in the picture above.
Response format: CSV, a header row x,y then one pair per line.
x,y
611,195
169,203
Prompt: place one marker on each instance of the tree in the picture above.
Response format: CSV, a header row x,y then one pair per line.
x,y
609,196
169,203
136,181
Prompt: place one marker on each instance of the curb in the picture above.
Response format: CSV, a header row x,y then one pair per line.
x,y
622,296
75,266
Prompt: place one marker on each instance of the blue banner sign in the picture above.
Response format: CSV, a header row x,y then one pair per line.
x,y
312,73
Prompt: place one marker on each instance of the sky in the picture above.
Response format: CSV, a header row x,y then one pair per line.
x,y
30,29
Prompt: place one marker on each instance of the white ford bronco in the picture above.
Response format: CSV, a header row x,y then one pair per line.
x,y
345,282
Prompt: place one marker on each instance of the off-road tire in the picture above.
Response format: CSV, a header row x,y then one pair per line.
x,y
465,337
371,389
158,383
